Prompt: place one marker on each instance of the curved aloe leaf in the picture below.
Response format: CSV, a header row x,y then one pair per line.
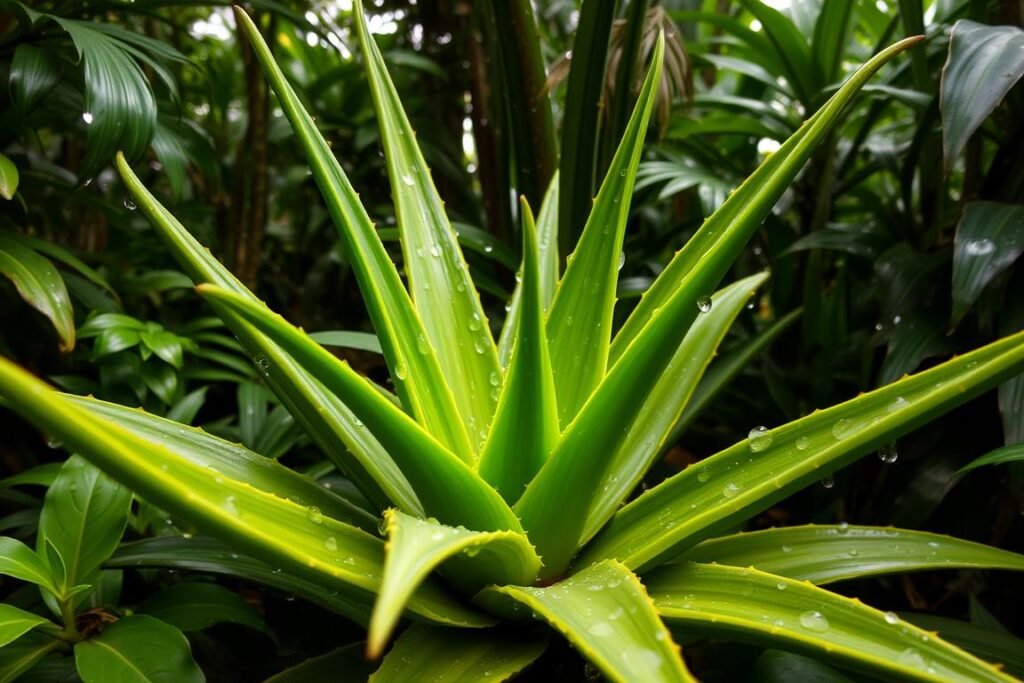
x,y
39,283
604,612
442,291
755,473
231,460
666,401
326,419
999,647
823,554
525,425
416,547
750,605
414,365
717,243
445,655
446,486
1013,453
580,321
280,531
16,622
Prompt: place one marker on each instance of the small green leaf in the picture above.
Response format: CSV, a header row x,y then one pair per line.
x,y
137,649
15,622
40,285
8,177
21,562
989,238
999,456
604,612
195,606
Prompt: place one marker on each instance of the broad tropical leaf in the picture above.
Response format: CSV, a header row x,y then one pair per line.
x,y
40,285
139,649
15,622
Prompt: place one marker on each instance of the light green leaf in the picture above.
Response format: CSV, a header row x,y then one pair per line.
x,y
195,606
349,659
999,456
750,605
823,554
40,285
21,562
755,473
579,324
425,654
8,177
989,238
446,486
414,366
83,516
984,62
137,649
605,613
24,653
525,426
15,622
363,341
442,291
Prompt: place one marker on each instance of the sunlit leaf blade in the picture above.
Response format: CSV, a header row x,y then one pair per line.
x,y
755,473
230,459
8,177
290,536
606,614
823,554
349,659
21,562
989,238
580,321
547,255
442,291
664,404
427,654
363,341
39,283
754,606
999,647
717,243
984,62
525,426
446,486
137,649
416,547
15,622
1013,453
21,655
326,419
414,366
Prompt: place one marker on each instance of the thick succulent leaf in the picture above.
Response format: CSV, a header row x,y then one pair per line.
x,y
194,606
665,403
606,614
717,243
283,533
750,605
579,324
425,654
442,291
755,473
989,238
1013,453
414,365
827,553
231,460
416,547
21,655
446,486
137,649
39,283
83,518
349,659
326,419
16,622
999,647
21,562
8,177
525,426
984,62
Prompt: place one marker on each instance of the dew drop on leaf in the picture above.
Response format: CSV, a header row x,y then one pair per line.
x,y
760,439
891,618
331,543
828,482
731,490
130,204
314,515
704,304
813,620
888,454
802,443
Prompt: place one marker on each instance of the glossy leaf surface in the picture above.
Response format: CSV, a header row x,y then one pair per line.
x,y
137,649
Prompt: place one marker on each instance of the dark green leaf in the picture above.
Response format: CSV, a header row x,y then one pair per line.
x,y
989,239
196,606
40,285
137,649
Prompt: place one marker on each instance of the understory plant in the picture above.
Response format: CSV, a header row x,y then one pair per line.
x,y
492,503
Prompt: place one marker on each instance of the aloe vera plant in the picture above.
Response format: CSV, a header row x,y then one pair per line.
x,y
499,473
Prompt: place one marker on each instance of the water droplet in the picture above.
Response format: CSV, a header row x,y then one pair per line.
x,y
263,363
488,248
704,474
54,443
980,247
828,482
479,346
475,323
231,506
600,629
314,515
435,252
787,549
400,370
891,618
813,620
130,204
843,428
912,657
331,543
888,454
622,259
781,586
87,117
408,179
704,304
802,443
898,403
760,439
495,378
731,490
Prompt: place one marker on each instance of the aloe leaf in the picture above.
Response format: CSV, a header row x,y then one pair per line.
x,y
40,285
666,401
446,486
720,239
326,419
416,547
291,536
230,460
140,649
445,655
16,622
21,562
525,426
750,605
999,456
828,553
999,647
606,614
442,291
362,341
580,321
415,369
755,473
